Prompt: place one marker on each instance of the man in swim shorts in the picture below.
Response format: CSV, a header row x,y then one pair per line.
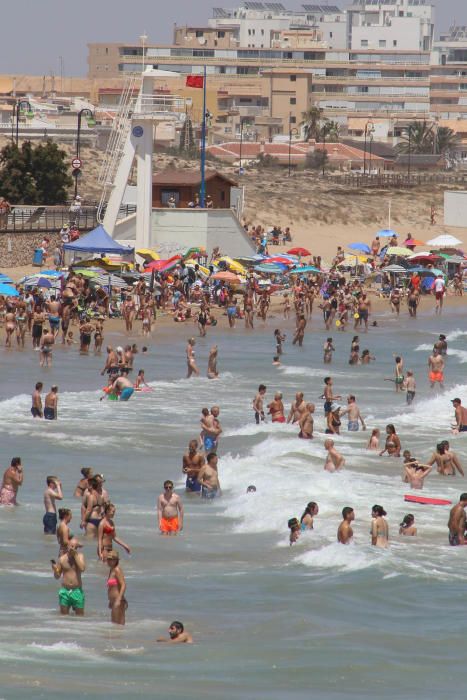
x,y
211,427
70,566
354,414
192,463
209,478
53,307
460,414
52,493
169,510
344,531
456,522
123,387
36,408
436,369
50,405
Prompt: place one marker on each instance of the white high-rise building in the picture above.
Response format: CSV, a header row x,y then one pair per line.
x,y
404,25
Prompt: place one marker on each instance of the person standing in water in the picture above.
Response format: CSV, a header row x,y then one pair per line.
x,y
258,405
12,480
116,589
169,510
354,414
212,363
36,408
192,463
52,493
344,531
334,460
190,358
276,408
308,515
70,566
436,368
456,522
379,528
51,403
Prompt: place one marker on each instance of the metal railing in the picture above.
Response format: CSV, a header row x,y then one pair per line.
x,y
36,219
394,180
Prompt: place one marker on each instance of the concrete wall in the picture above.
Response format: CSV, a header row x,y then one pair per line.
x,y
200,227
455,209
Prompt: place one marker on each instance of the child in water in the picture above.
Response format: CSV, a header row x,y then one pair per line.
x,y
373,442
295,529
328,349
140,381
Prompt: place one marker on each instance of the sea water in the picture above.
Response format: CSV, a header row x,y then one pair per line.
x,y
314,620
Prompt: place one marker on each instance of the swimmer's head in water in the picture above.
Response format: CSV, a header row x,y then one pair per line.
x,y
328,444
348,513
86,472
64,513
176,628
293,524
463,497
390,429
251,489
408,520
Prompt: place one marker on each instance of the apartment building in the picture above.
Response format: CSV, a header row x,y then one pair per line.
x,y
266,65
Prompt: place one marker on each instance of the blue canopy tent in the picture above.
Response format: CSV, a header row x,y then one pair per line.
x,y
98,241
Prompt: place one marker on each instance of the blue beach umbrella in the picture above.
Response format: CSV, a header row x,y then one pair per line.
x,y
305,268
4,279
271,269
363,247
8,291
386,233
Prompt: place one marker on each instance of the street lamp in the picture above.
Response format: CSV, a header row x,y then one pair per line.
x,y
143,39
292,132
409,129
241,144
90,119
369,129
369,150
17,107
322,132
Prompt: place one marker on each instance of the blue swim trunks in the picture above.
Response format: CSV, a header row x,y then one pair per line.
x,y
210,443
352,425
193,484
127,393
209,494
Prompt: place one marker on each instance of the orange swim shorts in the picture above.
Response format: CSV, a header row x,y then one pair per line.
x,y
436,377
169,525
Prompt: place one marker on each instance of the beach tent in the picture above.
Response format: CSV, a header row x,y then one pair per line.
x,y
362,247
97,241
386,233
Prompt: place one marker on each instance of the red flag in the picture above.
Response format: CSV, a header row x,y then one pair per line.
x,y
194,81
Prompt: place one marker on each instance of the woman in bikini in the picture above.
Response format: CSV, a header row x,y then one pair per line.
x,y
393,444
306,521
190,358
21,323
446,461
116,589
379,528
106,533
10,324
83,484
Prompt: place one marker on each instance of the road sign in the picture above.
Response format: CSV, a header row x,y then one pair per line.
x,y
76,163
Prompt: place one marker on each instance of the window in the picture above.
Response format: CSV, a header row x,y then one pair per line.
x,y
262,32
382,43
220,35
363,43
394,42
293,100
199,33
107,51
293,78
293,120
249,32
330,35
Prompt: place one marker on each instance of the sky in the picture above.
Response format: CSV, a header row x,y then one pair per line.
x,y
38,32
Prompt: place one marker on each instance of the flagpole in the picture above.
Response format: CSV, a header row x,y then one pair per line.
x,y
203,146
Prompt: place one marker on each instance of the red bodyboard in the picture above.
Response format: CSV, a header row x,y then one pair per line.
x,y
427,501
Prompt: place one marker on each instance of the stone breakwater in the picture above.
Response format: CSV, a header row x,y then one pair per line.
x,y
17,249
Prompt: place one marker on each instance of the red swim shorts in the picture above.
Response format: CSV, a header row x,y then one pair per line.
x,y
436,377
280,419
169,525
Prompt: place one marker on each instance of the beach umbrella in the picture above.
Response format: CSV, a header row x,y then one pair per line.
x,y
414,241
386,233
304,269
4,279
445,240
85,272
399,250
362,247
279,259
423,257
456,259
272,269
431,272
148,254
8,291
302,252
52,273
225,276
104,280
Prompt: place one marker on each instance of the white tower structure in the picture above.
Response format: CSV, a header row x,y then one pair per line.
x,y
132,139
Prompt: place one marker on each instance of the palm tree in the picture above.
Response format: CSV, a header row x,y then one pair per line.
x,y
332,130
417,137
311,122
445,140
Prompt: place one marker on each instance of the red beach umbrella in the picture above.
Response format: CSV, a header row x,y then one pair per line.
x,y
299,251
